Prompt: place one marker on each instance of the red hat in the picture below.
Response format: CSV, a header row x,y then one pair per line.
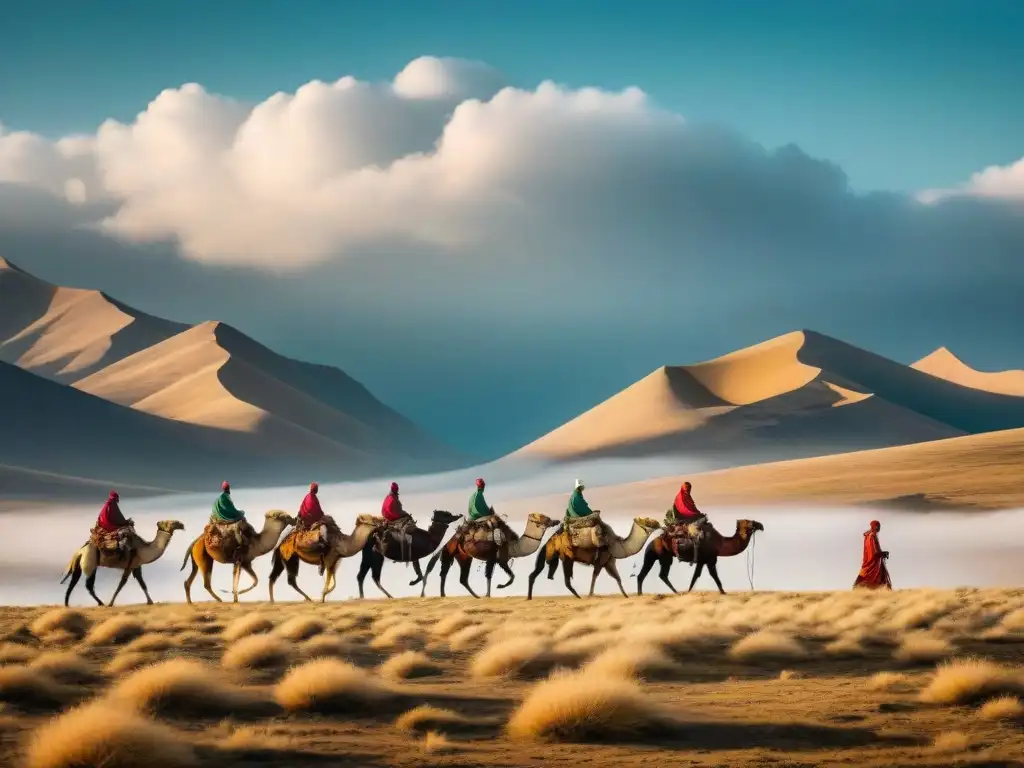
x,y
114,496
394,487
875,525
313,487
225,486
479,482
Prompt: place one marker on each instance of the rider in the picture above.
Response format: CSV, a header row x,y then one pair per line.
x,y
310,515
478,508
225,513
111,520
392,510
578,506
684,512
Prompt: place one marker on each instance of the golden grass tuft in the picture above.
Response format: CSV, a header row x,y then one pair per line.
x,y
257,652
408,665
66,667
790,674
327,646
767,645
151,643
437,744
968,681
93,736
887,681
63,619
182,687
128,662
402,635
468,637
631,661
253,624
114,631
451,624
1002,708
566,707
846,647
249,738
951,742
16,653
508,657
429,718
33,689
59,638
922,648
332,686
300,628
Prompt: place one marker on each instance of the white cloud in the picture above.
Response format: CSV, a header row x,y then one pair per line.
x,y
1004,182
443,158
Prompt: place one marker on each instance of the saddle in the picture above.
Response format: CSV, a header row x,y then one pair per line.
x,y
681,535
399,531
588,532
491,528
308,538
108,542
224,537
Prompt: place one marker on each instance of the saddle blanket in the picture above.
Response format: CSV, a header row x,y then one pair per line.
x,y
491,528
108,541
588,532
310,539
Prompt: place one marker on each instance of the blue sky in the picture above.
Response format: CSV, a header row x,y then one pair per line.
x,y
551,256
903,95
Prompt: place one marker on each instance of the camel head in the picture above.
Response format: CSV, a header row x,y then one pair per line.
x,y
170,526
543,521
369,520
444,518
281,515
746,528
649,524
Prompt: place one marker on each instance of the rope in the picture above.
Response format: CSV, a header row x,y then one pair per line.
x,y
750,561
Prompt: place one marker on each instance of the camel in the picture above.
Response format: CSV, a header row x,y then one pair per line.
x,y
288,557
464,552
88,558
423,544
275,521
714,546
559,548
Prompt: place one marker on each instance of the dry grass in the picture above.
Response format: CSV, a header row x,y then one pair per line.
x,y
61,619
507,657
257,652
33,689
300,628
128,662
428,718
969,681
951,743
922,648
66,667
567,707
327,646
181,687
408,665
151,643
253,624
90,736
632,661
114,631
887,681
468,637
451,624
332,686
404,634
16,653
767,645
437,744
1002,708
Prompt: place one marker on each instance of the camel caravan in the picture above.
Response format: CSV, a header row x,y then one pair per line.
x,y
315,539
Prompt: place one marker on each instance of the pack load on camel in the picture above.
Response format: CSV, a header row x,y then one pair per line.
x,y
584,525
315,531
684,524
482,524
397,525
113,534
228,530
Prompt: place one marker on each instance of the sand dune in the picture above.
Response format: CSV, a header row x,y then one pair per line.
x,y
19,485
67,333
973,472
943,364
798,395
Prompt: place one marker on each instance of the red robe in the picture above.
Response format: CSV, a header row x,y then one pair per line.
x,y
310,513
684,505
873,573
392,508
110,518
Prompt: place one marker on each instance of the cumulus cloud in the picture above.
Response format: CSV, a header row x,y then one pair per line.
x,y
997,181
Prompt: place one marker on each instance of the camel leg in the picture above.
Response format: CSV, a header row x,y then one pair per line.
x,y
649,558
537,568
76,574
376,566
613,569
552,567
567,572
276,569
236,572
90,586
292,566
446,565
418,571
696,575
190,579
713,570
120,585
137,573
464,568
207,569
664,566
247,568
511,576
489,574
331,580
598,566
364,568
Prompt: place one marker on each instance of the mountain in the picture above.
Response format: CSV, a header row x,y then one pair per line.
x,y
93,389
943,364
973,472
798,395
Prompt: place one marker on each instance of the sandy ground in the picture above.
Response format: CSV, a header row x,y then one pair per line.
x,y
755,679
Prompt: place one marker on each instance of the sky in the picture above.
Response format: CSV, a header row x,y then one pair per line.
x,y
509,211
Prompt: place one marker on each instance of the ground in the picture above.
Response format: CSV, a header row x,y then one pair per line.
x,y
781,679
